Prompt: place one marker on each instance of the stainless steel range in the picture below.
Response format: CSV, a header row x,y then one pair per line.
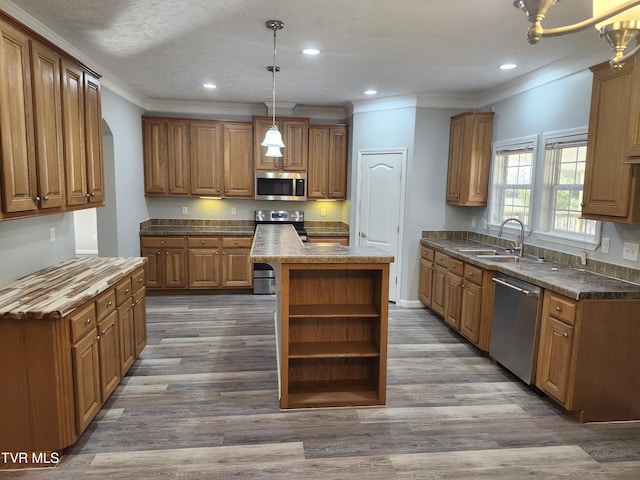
x,y
264,277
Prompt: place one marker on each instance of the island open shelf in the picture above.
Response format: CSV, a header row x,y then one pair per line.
x,y
333,334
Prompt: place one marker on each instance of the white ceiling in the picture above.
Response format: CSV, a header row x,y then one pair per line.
x,y
166,49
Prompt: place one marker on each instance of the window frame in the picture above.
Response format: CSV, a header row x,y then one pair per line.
x,y
496,204
545,227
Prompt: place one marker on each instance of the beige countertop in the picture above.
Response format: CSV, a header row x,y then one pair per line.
x,y
281,244
565,280
58,290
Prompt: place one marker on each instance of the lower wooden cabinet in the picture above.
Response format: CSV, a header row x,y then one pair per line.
x,y
425,281
438,295
197,262
343,240
64,369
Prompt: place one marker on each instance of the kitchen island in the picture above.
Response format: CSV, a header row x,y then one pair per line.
x,y
331,319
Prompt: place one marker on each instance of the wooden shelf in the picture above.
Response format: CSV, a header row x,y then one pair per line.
x,y
333,393
332,350
337,310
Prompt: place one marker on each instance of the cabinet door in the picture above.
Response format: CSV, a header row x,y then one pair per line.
x,y
154,268
178,157
608,181
47,104
453,302
554,358
109,355
86,380
337,174
425,282
439,290
126,330
204,268
238,160
236,268
155,155
140,320
206,158
175,268
93,139
19,187
456,151
74,133
471,312
295,135
318,158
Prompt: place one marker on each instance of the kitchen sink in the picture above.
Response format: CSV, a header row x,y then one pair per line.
x,y
478,251
500,258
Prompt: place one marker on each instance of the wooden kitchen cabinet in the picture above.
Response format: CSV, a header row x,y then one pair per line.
x,y
471,312
206,158
453,293
438,298
295,136
124,303
469,159
167,262
139,320
238,160
166,156
425,281
611,184
204,262
340,240
327,174
237,270
587,356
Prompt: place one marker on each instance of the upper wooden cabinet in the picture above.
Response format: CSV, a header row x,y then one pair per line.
x,y
469,158
198,157
50,127
295,136
327,174
611,183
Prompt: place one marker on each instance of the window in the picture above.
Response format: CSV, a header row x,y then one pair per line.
x,y
513,181
565,159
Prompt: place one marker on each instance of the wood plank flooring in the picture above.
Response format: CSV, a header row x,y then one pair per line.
x,y
202,402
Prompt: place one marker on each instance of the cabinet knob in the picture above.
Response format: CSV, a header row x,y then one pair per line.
x,y
140,280
159,252
216,253
559,308
98,337
93,194
167,253
322,193
226,191
87,321
103,332
471,274
237,242
37,199
217,190
109,304
170,188
202,242
87,195
565,334
224,253
46,197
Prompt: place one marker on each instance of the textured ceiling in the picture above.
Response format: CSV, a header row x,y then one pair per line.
x,y
166,49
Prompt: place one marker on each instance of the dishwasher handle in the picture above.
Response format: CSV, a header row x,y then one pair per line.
x,y
513,287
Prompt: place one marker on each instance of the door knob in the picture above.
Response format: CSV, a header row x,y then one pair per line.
x,y
363,235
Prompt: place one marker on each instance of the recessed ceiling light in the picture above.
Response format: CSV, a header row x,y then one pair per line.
x,y
210,85
508,66
370,92
311,51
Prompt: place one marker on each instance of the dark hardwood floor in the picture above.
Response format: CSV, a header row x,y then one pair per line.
x,y
202,402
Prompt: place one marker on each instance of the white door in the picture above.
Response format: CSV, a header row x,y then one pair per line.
x,y
379,218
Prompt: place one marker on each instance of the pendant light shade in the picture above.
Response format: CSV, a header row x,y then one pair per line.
x,y
273,138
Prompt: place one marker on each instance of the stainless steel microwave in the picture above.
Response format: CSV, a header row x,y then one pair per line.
x,y
281,186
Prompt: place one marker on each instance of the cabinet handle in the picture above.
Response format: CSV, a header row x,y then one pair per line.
x,y
109,303
159,253
93,194
37,199
322,193
226,190
216,253
98,337
217,190
471,274
224,253
170,188
103,332
202,242
330,192
87,321
140,280
558,308
46,197
126,290
565,334
237,242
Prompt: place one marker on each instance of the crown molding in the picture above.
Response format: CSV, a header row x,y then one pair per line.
x,y
385,103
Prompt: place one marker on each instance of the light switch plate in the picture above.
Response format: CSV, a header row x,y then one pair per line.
x,y
606,244
185,211
630,251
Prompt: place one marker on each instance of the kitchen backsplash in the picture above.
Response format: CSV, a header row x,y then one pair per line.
x,y
561,258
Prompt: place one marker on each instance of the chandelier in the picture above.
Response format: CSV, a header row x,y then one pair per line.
x,y
617,21
273,139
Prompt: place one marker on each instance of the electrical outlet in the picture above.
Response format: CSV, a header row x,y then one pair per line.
x,y
630,251
484,224
52,234
233,210
606,244
185,210
473,223
323,212
583,257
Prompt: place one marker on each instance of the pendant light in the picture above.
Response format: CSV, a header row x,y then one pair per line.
x,y
273,139
617,21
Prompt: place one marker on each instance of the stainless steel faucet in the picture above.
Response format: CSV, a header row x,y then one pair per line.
x,y
517,246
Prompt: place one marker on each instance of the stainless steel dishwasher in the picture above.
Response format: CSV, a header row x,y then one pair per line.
x,y
514,331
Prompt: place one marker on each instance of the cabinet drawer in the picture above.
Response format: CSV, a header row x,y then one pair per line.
x,y
105,304
473,274
562,308
442,259
82,321
426,253
455,266
239,242
203,242
159,242
137,280
123,291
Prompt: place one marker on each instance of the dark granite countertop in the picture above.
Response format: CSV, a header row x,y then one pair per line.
x,y
565,280
281,244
